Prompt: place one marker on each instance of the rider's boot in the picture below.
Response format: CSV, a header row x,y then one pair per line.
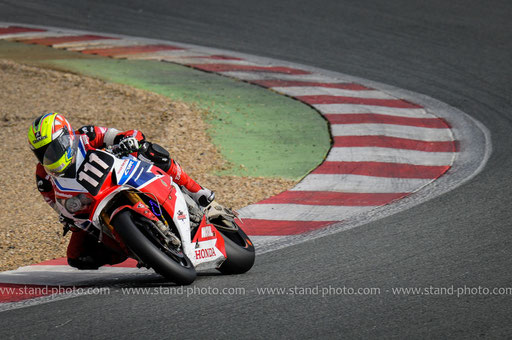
x,y
84,252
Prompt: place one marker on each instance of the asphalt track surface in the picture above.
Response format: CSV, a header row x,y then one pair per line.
x,y
458,52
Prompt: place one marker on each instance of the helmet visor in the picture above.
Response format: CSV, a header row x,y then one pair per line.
x,y
60,153
40,153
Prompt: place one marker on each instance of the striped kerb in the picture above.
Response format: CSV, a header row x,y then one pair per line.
x,y
384,148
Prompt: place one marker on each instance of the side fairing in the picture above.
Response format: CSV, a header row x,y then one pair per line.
x,y
178,206
133,172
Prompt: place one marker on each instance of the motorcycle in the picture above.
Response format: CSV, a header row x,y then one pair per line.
x,y
135,208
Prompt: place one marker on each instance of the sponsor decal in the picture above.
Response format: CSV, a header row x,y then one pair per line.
x,y
205,237
39,137
70,153
207,232
126,171
88,131
154,208
178,171
181,215
142,158
205,253
129,167
123,164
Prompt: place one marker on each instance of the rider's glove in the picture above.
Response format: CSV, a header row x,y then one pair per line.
x,y
129,145
67,224
204,197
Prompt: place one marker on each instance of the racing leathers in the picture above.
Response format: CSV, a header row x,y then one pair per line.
x,y
84,251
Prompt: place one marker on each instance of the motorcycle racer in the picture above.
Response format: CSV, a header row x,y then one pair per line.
x,y
55,145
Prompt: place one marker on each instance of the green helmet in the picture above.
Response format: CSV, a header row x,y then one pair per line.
x,y
53,141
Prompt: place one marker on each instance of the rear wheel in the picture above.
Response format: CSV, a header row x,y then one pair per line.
x,y
137,235
239,250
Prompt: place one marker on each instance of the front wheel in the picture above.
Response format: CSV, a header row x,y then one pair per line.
x,y
239,251
138,237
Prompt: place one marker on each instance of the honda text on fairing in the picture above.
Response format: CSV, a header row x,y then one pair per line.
x,y
137,210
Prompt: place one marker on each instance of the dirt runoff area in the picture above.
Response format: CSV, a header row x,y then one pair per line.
x,y
29,228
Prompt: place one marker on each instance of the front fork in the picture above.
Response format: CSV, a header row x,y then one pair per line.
x,y
139,206
134,199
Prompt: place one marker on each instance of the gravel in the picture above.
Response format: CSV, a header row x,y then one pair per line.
x,y
29,229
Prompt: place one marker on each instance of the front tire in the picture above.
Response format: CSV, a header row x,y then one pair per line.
x,y
181,272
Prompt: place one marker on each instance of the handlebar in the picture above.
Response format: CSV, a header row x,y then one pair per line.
x,y
116,150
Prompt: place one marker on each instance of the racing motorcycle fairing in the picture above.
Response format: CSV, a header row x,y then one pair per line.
x,y
101,179
209,248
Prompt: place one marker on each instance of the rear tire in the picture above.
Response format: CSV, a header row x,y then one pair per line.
x,y
182,272
239,250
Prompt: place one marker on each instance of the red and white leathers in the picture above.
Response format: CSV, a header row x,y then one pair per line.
x,y
82,245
